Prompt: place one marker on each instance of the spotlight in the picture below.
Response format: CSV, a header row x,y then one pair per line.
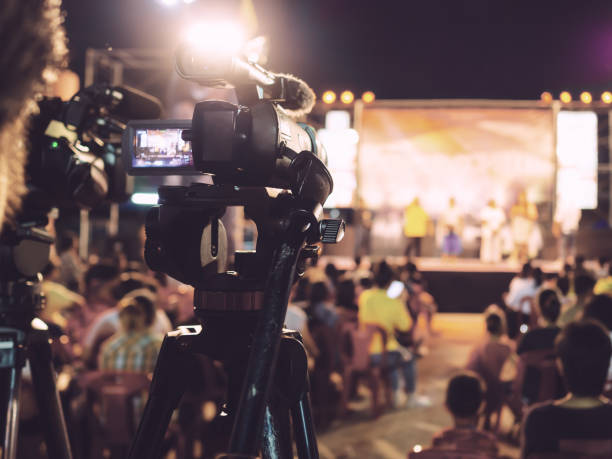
x,y
215,38
586,97
565,97
546,97
606,97
368,97
347,97
329,97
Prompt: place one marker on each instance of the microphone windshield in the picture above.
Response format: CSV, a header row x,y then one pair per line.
x,y
135,104
299,98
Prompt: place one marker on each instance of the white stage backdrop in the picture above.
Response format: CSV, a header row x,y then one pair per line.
x,y
472,154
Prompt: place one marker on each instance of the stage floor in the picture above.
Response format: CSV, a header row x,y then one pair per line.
x,y
464,265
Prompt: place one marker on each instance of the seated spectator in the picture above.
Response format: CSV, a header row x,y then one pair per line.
x,y
604,284
581,422
296,319
60,301
521,287
600,308
71,267
319,307
488,358
134,347
346,304
603,266
464,401
566,278
583,288
376,308
99,281
108,322
544,336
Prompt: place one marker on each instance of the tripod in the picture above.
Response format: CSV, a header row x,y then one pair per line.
x,y
24,337
242,316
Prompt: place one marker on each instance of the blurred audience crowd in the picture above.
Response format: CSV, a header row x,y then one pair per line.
x,y
544,361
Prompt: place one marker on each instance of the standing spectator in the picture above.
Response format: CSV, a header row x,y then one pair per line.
x,y
464,401
391,315
583,288
581,422
415,228
492,219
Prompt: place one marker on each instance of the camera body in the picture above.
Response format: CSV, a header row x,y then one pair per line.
x,y
237,144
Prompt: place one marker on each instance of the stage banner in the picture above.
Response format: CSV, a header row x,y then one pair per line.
x,y
472,154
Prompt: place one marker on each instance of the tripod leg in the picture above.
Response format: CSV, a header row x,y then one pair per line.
x,y
246,433
9,385
11,362
276,443
303,429
47,397
171,373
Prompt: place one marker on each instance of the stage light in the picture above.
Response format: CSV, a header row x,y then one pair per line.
x,y
368,97
215,38
606,97
145,199
329,97
417,448
347,97
565,97
546,97
586,97
167,2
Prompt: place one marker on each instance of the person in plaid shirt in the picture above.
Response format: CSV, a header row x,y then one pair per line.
x,y
134,347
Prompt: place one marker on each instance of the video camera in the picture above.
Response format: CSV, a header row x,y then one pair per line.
x,y
246,148
260,159
73,160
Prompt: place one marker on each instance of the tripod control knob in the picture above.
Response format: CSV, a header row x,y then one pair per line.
x,y
332,231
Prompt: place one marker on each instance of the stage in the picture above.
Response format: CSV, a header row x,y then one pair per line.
x,y
461,285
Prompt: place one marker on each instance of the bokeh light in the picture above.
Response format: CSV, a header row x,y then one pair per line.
x,y
368,97
546,97
565,97
606,97
329,97
586,97
347,97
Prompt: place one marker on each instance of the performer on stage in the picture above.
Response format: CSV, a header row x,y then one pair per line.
x,y
523,216
493,219
565,227
452,222
415,227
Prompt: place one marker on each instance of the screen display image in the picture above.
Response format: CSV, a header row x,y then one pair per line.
x,y
472,154
161,148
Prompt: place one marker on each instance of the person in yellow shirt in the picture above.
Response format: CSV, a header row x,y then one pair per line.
x,y
415,227
390,314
